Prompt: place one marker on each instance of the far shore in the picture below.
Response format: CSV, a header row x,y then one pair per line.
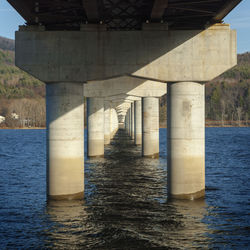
x,y
209,124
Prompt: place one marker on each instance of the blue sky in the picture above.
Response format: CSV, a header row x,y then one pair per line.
x,y
239,19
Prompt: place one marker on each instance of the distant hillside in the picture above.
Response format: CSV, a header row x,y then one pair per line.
x,y
7,44
20,93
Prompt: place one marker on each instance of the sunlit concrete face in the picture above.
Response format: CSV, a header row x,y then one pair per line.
x,y
150,127
95,110
138,123
186,140
65,140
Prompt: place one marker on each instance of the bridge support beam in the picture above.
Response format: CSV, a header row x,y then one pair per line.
x,y
138,123
150,127
186,134
95,110
65,141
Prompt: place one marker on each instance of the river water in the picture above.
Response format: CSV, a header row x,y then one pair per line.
x,y
125,204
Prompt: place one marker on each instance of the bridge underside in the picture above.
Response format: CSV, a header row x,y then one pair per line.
x,y
72,47
123,14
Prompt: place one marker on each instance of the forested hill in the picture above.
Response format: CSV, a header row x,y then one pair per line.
x,y
227,96
20,93
7,44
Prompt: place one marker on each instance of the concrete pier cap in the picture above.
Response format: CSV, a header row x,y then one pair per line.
x,y
162,55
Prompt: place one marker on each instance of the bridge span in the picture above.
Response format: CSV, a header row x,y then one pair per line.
x,y
123,55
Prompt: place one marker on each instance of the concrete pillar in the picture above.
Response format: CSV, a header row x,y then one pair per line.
x,y
125,123
138,123
150,127
129,122
186,134
107,120
132,121
114,123
65,140
95,110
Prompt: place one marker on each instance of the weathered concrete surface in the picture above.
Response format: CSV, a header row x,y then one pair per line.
x,y
65,140
150,127
138,123
81,56
95,112
186,140
107,120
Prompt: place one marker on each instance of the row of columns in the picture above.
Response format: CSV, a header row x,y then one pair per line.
x,y
142,125
65,137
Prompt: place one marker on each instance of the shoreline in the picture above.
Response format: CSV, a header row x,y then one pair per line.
x,y
161,126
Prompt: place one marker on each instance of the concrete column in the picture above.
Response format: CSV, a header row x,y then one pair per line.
x,y
114,122
138,123
65,140
95,110
107,120
132,121
150,127
186,134
125,123
129,122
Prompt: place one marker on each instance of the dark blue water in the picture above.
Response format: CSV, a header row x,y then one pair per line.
x,y
125,205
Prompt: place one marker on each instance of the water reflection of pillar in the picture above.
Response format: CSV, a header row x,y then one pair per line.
x,y
190,230
68,220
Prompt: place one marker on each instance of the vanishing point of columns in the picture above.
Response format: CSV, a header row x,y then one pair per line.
x,y
100,65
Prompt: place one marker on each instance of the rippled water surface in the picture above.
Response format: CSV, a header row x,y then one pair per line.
x,y
125,204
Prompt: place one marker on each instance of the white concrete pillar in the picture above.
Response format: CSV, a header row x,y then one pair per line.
x,y
65,140
107,120
95,110
132,121
186,140
125,123
114,122
129,122
150,127
138,123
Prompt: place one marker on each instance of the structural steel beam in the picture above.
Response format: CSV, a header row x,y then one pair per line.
x,y
158,9
91,10
225,10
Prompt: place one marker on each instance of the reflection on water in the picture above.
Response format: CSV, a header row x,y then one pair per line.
x,y
125,204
